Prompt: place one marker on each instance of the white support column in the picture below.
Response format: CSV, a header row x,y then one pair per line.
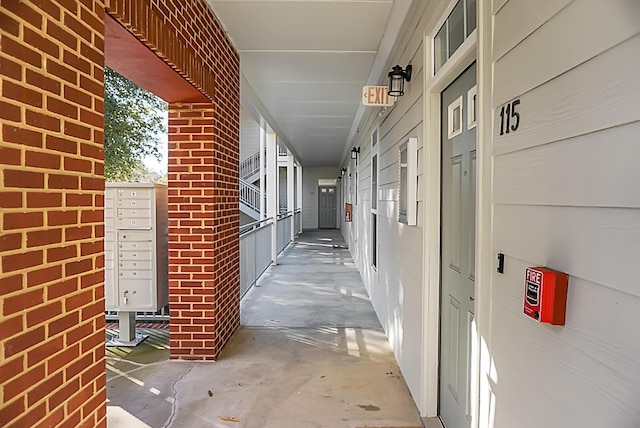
x,y
263,208
290,190
299,193
272,193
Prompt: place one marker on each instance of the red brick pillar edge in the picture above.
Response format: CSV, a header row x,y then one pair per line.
x,y
51,214
227,220
187,35
203,235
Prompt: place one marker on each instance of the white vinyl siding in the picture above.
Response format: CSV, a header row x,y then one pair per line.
x,y
565,194
249,135
560,191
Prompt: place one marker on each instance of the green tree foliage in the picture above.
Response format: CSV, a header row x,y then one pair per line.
x,y
133,121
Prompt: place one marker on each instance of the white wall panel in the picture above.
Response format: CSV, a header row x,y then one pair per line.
x,y
588,170
396,286
510,28
498,4
565,194
597,244
409,125
564,42
392,130
249,135
580,374
600,93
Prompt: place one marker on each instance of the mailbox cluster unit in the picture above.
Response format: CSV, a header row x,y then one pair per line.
x,y
136,241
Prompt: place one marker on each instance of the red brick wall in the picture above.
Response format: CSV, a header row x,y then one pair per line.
x,y
51,196
204,271
191,282
187,35
51,219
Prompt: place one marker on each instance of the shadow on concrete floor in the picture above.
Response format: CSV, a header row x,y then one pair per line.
x,y
310,353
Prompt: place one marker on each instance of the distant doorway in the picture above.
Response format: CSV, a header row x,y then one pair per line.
x,y
327,207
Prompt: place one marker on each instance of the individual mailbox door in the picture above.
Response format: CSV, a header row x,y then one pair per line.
x,y
135,294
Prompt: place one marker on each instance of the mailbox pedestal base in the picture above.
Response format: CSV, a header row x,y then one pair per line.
x,y
128,335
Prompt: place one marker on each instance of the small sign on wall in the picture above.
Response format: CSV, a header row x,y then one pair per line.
x,y
347,213
376,96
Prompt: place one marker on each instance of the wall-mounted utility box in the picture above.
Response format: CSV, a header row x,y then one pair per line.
x,y
136,247
545,295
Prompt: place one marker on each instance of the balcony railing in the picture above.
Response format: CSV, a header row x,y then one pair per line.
x,y
284,230
255,252
250,166
250,195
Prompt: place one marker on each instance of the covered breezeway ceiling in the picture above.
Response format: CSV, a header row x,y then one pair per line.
x,y
304,63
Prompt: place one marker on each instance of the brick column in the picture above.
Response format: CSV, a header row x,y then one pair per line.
x,y
203,234
51,214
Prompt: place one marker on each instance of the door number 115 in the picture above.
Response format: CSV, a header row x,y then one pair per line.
x,y
509,117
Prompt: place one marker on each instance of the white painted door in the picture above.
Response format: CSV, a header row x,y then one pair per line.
x,y
327,208
457,249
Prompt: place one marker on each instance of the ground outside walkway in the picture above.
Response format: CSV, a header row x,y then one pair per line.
x,y
310,353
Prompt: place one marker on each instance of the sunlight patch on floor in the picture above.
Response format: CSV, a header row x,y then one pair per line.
x,y
353,349
125,375
117,416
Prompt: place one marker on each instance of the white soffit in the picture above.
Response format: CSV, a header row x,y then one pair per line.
x,y
306,61
349,25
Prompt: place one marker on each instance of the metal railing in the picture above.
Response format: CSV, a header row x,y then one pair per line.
x,y
250,166
284,230
255,252
250,195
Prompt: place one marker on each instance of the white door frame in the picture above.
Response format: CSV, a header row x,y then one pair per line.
x,y
475,48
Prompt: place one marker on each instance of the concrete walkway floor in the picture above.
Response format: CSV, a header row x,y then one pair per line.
x,y
310,353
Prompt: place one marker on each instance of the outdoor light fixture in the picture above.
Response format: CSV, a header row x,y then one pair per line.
x,y
339,179
343,171
397,77
354,152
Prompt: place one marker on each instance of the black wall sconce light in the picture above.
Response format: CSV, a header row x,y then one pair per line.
x,y
343,171
397,77
354,152
339,179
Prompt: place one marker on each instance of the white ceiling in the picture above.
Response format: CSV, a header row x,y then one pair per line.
x,y
304,63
